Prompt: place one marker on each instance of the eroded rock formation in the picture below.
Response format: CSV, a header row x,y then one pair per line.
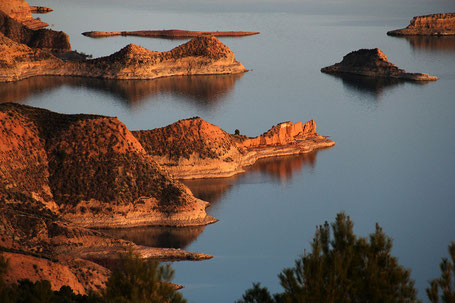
x,y
41,38
203,55
373,63
429,25
171,34
21,11
194,148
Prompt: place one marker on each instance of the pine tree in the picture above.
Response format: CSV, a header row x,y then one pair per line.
x,y
444,287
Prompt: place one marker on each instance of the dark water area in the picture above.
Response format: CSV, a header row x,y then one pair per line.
x,y
393,162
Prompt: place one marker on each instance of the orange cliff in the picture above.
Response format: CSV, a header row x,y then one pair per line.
x,y
373,63
22,12
428,25
194,148
203,55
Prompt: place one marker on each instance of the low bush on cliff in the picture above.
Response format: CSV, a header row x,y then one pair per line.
x,y
342,268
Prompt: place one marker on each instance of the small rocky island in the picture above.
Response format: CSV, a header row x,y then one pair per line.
x,y
194,148
170,34
373,63
429,25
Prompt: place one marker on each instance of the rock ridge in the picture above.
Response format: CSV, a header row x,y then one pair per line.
x,y
193,148
429,25
373,63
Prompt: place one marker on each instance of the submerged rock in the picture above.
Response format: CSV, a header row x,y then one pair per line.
x,y
373,63
429,25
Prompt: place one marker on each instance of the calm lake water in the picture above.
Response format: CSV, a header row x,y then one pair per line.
x,y
394,159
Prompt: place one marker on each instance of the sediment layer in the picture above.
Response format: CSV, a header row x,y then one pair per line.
x,y
428,25
171,34
373,63
194,148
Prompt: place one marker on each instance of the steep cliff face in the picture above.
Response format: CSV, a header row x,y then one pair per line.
x,y
203,55
373,63
21,11
194,148
429,25
90,169
42,38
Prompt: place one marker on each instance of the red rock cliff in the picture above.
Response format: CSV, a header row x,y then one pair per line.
x,y
21,11
429,25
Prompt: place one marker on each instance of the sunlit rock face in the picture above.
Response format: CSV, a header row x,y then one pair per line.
x,y
21,11
429,25
373,63
194,148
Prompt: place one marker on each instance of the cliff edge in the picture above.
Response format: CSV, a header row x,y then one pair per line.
x,y
194,148
21,11
428,25
373,63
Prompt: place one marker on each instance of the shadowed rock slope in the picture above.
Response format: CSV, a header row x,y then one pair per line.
x,y
194,148
204,55
429,25
373,63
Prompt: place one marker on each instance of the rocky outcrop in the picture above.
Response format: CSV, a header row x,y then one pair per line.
x,y
21,11
194,148
89,169
204,55
41,38
429,25
171,34
373,63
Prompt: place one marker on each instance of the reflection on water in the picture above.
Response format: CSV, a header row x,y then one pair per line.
x,y
203,90
168,237
373,87
425,43
274,170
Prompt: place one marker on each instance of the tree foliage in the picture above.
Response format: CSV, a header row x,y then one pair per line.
x,y
442,289
345,268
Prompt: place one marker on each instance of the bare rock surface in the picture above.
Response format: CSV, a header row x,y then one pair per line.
x,y
21,11
428,25
194,148
373,63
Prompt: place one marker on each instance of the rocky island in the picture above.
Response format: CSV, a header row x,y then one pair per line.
x,y
203,55
429,25
373,63
170,34
194,148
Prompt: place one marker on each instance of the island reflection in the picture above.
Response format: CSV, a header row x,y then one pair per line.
x,y
431,43
278,170
372,87
204,90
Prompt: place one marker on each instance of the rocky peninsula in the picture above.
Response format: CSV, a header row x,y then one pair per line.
x,y
194,148
60,174
170,34
203,55
373,63
429,25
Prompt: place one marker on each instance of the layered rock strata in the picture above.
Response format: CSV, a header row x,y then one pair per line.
x,y
373,63
203,55
21,11
194,148
171,34
41,38
429,25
